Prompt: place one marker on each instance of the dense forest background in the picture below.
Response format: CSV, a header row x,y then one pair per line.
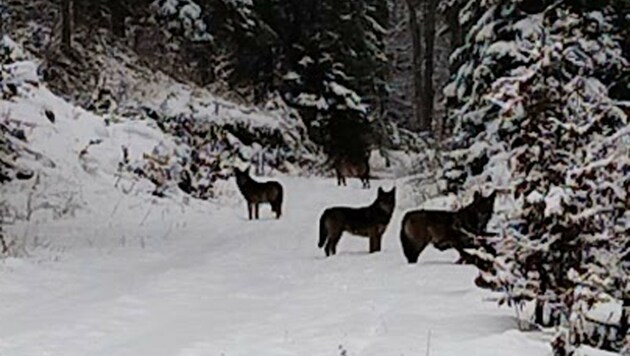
x,y
359,66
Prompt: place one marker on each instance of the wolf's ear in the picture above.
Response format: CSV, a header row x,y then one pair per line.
x,y
247,169
380,190
393,191
477,195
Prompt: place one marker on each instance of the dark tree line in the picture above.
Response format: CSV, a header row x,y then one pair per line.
x,y
324,57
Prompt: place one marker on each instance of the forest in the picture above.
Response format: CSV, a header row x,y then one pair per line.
x,y
122,123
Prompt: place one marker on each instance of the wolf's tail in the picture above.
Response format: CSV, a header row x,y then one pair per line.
x,y
323,231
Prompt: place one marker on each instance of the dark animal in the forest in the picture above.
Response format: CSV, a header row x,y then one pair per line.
x,y
446,229
370,221
256,193
346,166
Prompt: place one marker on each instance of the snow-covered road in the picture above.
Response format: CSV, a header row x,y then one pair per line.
x,y
202,280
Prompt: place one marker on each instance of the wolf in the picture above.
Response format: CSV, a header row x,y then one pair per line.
x,y
352,167
446,229
370,221
259,192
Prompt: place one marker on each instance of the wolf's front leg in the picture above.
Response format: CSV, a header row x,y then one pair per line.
x,y
375,243
249,210
366,182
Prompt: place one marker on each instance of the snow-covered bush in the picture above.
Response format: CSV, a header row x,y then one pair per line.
x,y
183,18
14,72
214,137
532,114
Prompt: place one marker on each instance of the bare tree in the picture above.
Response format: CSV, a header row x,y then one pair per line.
x,y
414,29
454,28
66,24
399,107
430,14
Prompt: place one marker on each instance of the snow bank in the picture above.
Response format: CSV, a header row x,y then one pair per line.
x,y
65,161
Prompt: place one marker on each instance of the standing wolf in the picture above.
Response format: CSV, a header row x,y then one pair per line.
x,y
446,229
257,192
370,221
352,167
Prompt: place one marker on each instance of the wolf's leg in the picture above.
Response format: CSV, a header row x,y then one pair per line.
x,y
418,250
277,207
329,245
249,210
375,243
459,245
256,205
276,202
366,183
333,240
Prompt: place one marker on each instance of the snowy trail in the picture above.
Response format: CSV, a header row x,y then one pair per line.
x,y
217,284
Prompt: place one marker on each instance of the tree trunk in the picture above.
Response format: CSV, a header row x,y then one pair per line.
x,y
117,13
430,9
66,24
78,10
414,29
456,39
455,31
4,17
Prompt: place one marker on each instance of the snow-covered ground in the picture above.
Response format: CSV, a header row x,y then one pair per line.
x,y
202,280
104,268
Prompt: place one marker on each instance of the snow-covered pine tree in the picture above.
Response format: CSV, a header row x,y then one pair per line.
x,y
336,75
400,108
531,95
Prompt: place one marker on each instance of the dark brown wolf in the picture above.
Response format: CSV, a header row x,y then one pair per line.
x,y
370,221
352,167
259,192
446,229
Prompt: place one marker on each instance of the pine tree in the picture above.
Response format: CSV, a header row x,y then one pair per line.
x,y
334,70
531,94
327,58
